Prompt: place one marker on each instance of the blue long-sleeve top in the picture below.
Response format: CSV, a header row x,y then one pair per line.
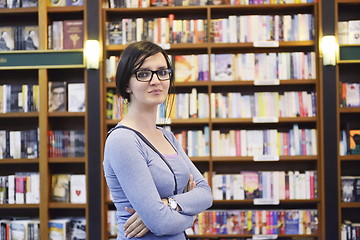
x,y
138,178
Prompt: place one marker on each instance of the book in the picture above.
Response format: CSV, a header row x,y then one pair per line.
x,y
347,188
357,189
31,37
114,33
57,96
352,94
184,68
7,38
74,2
3,4
59,229
60,184
29,3
13,3
354,141
78,229
251,184
343,32
354,32
292,222
19,229
78,188
57,3
73,34
76,97
222,69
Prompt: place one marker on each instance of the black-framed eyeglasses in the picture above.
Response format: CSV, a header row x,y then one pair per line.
x,y
144,75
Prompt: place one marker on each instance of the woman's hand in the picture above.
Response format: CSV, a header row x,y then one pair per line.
x,y
191,184
134,226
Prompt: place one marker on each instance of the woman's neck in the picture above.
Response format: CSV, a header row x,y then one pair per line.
x,y
143,120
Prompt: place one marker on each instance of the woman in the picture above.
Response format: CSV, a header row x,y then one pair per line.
x,y
155,198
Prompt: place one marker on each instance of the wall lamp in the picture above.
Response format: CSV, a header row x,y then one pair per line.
x,y
92,54
329,49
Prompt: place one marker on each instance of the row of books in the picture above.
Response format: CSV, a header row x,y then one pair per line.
x,y
257,222
266,185
24,229
350,188
19,98
18,3
65,96
62,3
66,143
350,94
19,38
265,142
19,144
171,3
254,28
115,107
349,142
20,188
29,229
158,30
348,32
190,105
248,28
69,188
262,66
67,34
350,230
261,104
188,31
67,228
195,142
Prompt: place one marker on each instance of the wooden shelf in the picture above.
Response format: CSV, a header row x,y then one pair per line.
x,y
19,115
207,45
66,9
249,120
66,114
350,158
282,202
217,236
349,110
349,2
232,83
251,159
19,160
350,205
18,10
67,159
66,205
21,206
205,7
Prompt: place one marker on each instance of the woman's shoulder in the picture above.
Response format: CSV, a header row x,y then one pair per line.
x,y
120,132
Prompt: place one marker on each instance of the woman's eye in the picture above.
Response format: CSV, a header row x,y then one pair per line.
x,y
143,74
163,72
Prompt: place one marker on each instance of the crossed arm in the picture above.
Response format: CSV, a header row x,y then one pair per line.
x,y
135,227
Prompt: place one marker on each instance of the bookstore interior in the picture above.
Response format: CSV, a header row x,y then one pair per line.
x,y
266,105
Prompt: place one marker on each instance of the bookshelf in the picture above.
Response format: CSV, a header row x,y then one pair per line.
x,y
347,72
28,67
223,164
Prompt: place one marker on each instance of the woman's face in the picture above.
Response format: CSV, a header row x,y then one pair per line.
x,y
154,92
